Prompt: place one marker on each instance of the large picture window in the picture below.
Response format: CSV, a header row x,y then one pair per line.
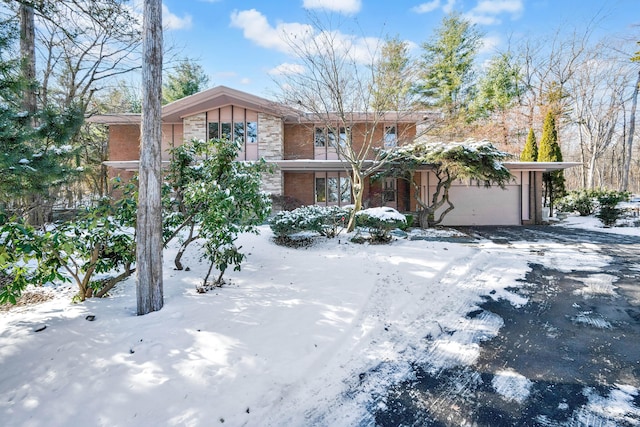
x,y
332,188
325,142
238,125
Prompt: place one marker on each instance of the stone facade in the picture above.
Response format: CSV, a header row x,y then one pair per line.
x,y
270,143
195,127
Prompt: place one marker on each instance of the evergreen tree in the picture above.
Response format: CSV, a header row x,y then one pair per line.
x,y
36,161
447,76
530,150
393,77
549,151
187,79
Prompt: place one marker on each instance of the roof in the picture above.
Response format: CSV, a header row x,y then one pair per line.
x,y
539,166
222,96
116,119
217,97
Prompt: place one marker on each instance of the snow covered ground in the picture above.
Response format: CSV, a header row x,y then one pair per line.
x,y
307,336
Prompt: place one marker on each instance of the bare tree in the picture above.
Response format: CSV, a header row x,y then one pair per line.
x,y
597,93
149,221
632,129
338,91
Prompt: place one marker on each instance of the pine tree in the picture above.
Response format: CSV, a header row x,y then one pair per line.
x,y
530,150
549,151
35,161
447,75
187,79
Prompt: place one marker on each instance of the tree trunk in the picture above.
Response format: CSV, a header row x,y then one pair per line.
x,y
357,187
149,220
28,55
632,128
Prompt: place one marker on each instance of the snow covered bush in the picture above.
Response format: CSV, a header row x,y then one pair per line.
x,y
609,212
379,222
101,239
327,221
581,201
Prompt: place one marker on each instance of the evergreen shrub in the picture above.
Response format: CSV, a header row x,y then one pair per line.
x,y
327,221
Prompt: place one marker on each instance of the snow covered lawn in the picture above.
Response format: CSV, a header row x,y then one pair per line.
x,y
306,336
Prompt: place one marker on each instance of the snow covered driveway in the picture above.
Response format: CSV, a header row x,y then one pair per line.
x,y
570,356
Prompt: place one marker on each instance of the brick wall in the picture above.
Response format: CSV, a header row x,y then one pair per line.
x,y
299,187
298,141
124,142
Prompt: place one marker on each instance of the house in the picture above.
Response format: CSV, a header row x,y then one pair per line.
x,y
309,170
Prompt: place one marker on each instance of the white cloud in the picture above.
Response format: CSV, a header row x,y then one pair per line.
x,y
341,6
286,68
447,8
256,28
172,21
487,12
432,5
490,44
427,7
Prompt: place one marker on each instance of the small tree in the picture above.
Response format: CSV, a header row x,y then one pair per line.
x,y
224,201
480,161
549,151
530,150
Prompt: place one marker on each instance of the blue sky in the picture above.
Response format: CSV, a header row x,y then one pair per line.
x,y
238,41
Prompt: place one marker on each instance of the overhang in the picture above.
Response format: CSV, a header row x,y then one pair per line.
x,y
115,119
539,166
129,165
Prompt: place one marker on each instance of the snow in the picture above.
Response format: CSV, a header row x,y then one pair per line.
x,y
302,336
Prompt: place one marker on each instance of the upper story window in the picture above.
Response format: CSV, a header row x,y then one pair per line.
x,y
319,139
390,136
235,124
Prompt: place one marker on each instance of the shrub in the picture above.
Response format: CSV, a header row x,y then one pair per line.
x,y
379,222
327,221
581,201
609,212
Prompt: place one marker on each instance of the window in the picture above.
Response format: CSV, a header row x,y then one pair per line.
x,y
390,137
252,132
321,190
331,137
333,188
343,136
238,125
319,140
389,190
225,129
214,130
238,133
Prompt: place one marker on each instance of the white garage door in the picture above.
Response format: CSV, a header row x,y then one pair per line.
x,y
483,206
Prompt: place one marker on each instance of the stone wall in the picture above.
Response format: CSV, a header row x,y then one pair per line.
x,y
270,147
195,127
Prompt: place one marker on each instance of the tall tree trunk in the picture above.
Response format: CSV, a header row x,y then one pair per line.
x,y
632,129
28,55
149,220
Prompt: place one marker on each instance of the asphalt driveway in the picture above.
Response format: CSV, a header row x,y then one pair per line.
x,y
578,354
